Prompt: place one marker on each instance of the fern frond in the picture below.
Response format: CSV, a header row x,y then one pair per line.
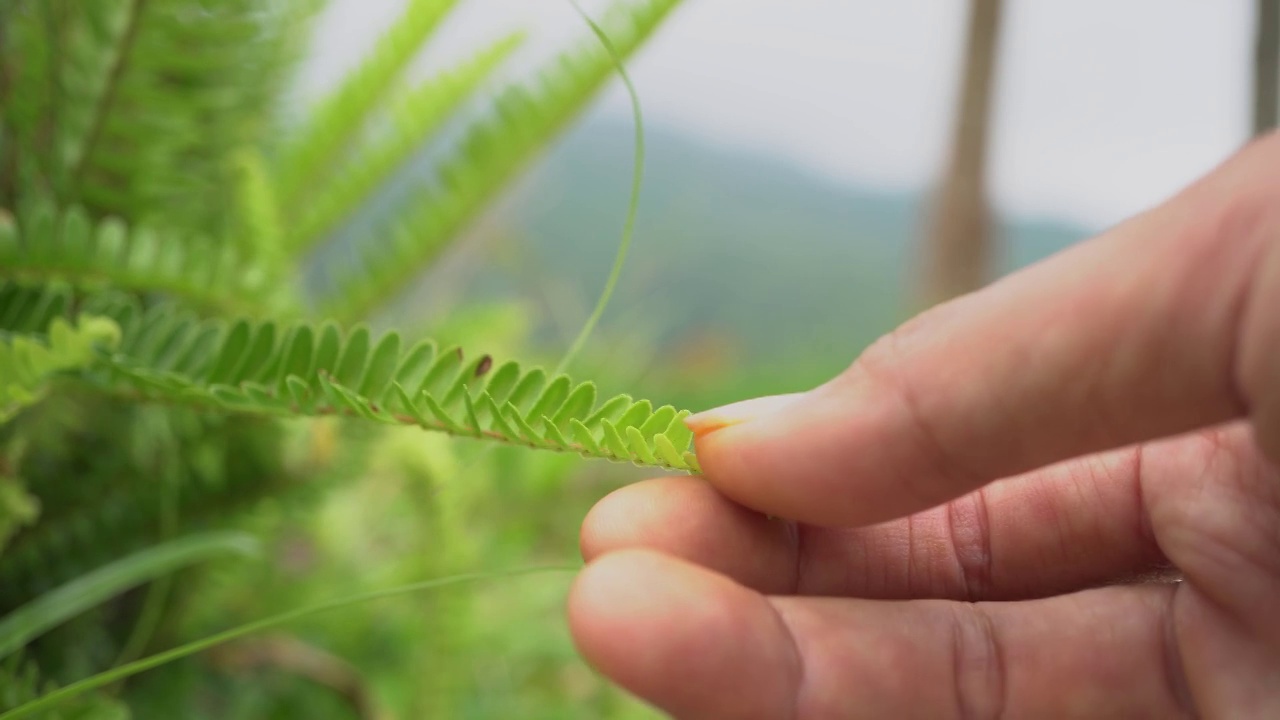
x,y
27,363
46,244
414,117
186,83
340,116
493,149
263,368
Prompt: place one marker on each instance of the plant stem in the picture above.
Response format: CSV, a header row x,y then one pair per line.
x,y
637,176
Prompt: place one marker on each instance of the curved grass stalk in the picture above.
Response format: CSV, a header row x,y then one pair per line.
x,y
633,204
93,588
122,672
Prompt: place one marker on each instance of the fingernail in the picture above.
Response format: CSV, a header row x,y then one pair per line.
x,y
709,421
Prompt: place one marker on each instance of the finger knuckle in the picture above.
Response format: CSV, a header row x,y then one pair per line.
x,y
969,527
887,365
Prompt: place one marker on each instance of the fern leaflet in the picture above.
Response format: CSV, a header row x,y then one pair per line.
x,y
322,142
27,363
46,244
414,117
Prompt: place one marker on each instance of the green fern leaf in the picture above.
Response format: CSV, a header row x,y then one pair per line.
x,y
169,104
262,368
163,95
524,119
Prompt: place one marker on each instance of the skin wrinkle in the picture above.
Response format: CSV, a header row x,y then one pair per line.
x,y
879,370
1247,370
1244,471
934,567
796,533
1146,531
1222,450
1254,222
1171,653
990,700
802,675
1072,495
1129,467
1102,471
975,577
1195,601
959,663
806,557
1239,232
887,574
910,556
1205,544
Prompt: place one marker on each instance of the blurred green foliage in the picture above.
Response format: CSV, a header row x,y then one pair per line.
x,y
153,186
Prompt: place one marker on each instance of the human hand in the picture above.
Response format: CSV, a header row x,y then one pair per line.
x,y
848,555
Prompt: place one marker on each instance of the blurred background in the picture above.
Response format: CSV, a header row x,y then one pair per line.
x,y
817,171
799,154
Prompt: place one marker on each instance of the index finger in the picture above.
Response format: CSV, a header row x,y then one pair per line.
x,y
1137,334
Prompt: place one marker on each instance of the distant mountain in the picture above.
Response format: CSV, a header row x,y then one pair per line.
x,y
781,261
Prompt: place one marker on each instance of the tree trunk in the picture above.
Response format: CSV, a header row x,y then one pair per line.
x,y
958,249
1266,66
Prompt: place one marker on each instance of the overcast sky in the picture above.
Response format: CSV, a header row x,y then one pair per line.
x,y
1103,107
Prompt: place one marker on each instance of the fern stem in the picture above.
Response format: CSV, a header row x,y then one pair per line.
x,y
94,682
633,204
103,110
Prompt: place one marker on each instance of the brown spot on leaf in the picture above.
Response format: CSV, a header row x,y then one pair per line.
x,y
485,364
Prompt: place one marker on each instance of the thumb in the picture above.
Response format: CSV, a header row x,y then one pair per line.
x,y
1133,335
